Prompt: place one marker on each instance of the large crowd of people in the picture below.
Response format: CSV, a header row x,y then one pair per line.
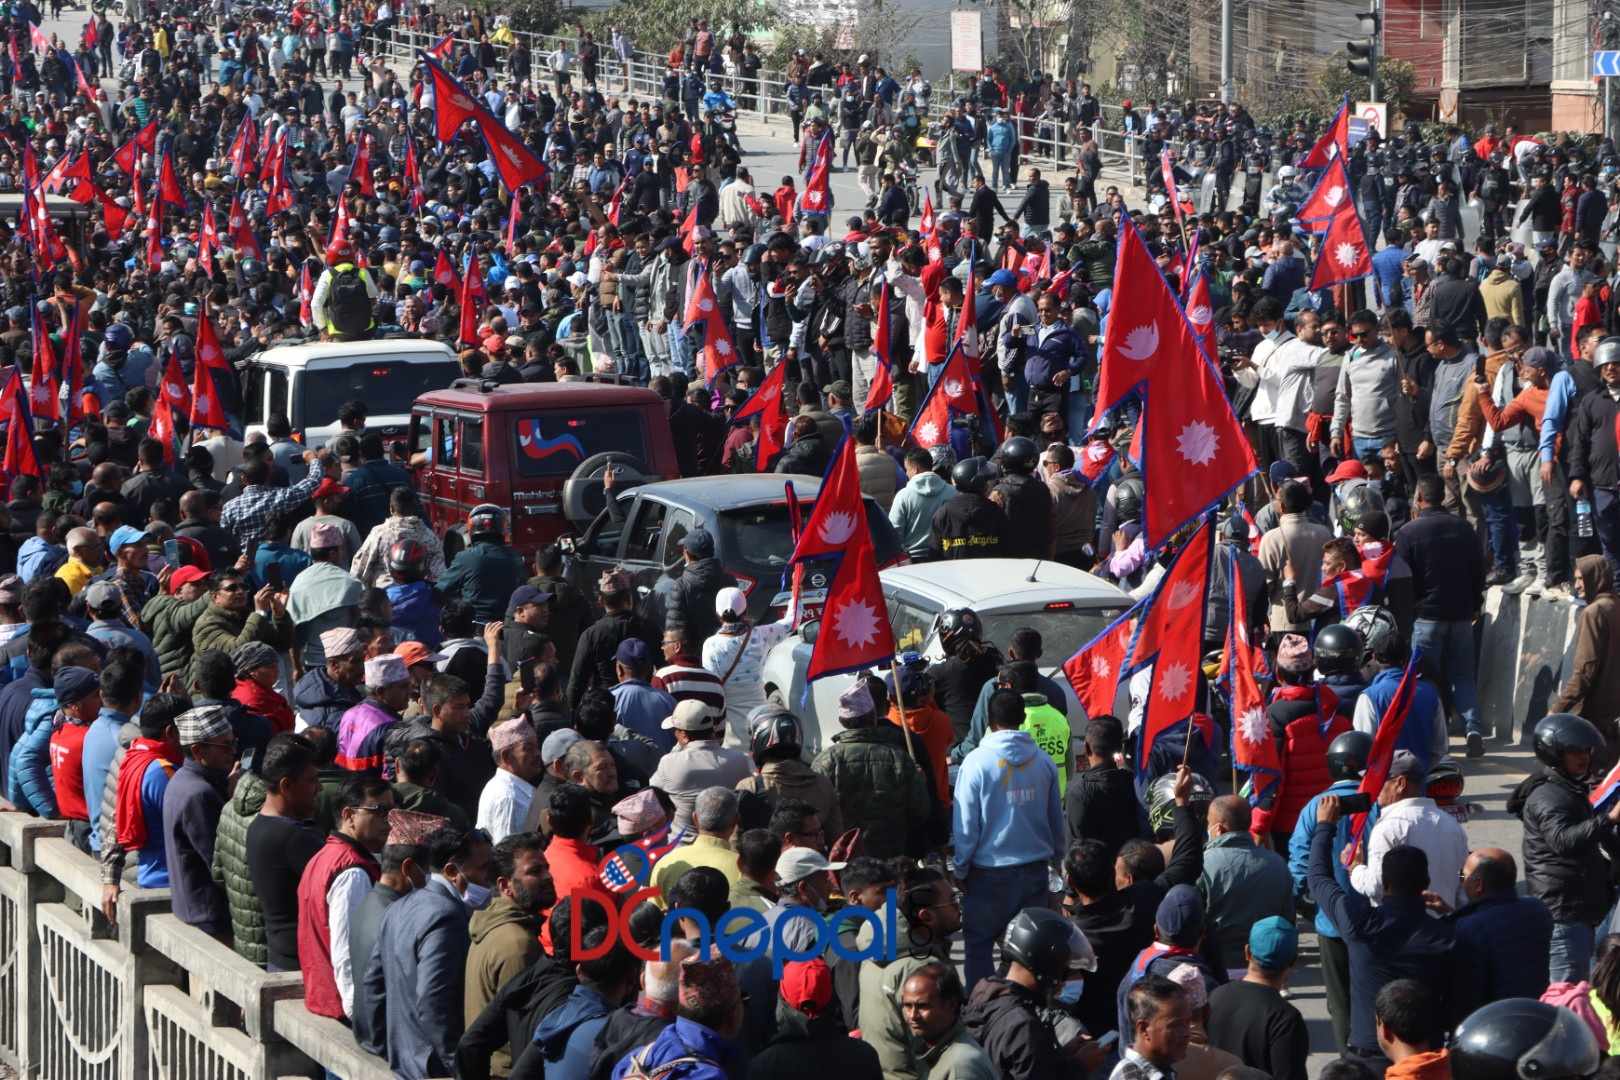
x,y
506,821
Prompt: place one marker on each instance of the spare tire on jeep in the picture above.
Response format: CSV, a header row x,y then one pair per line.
x,y
582,493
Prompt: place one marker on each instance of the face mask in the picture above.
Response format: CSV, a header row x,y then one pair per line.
x,y
477,897
1069,992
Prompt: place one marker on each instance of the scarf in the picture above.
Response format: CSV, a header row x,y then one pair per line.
x,y
266,703
130,819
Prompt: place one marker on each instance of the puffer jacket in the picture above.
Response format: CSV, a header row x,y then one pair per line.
x,y
880,789
171,622
878,477
1006,1020
107,809
1564,844
231,868
690,606
218,628
1303,737
321,702
795,779
28,771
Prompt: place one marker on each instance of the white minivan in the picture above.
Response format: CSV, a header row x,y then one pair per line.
x,y
310,383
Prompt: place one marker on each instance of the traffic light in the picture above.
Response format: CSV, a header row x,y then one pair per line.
x,y
1364,51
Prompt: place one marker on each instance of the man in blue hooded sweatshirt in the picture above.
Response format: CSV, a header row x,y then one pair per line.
x,y
1007,828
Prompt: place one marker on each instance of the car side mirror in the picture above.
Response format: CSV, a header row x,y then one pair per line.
x,y
809,630
566,545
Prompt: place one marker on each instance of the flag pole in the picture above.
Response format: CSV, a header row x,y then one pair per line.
x,y
900,700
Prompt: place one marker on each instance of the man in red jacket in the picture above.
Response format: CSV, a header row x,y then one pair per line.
x,y
1304,718
335,881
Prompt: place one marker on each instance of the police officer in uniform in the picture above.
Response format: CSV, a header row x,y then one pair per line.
x,y
969,525
1024,499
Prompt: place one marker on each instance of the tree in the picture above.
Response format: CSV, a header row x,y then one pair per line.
x,y
1396,79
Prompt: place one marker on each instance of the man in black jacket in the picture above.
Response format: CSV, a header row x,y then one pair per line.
x,y
1565,841
1036,207
689,606
984,203
1594,457
1100,803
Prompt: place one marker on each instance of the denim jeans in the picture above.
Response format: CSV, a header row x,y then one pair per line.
x,y
1003,170
992,897
1450,645
1571,957
1502,526
1365,447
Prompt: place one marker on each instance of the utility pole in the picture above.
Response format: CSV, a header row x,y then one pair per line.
x,y
1226,53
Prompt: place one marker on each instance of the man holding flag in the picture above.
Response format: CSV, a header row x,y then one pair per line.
x,y
1571,838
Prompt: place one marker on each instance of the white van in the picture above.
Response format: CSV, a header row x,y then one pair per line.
x,y
310,383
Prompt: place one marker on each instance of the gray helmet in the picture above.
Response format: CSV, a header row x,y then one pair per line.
x,y
1162,799
943,456
1607,352
771,726
1360,500
1376,625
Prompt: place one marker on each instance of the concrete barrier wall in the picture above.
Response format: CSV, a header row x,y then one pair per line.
x,y
147,997
1526,645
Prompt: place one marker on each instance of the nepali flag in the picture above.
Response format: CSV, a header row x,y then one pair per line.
x,y
925,229
413,175
240,230
445,47
1254,528
511,226
127,156
79,80
855,631
766,403
20,456
306,296
360,167
173,390
169,183
1600,796
241,151
444,272
1201,313
881,389
1334,141
1346,255
45,387
1382,754
1093,460
69,167
719,351
281,196
452,104
952,395
967,322
207,240
1254,750
207,411
816,199
154,234
1194,450
37,37
471,297
688,231
1094,669
1332,191
515,162
162,428
337,241
615,206
1170,636
1167,172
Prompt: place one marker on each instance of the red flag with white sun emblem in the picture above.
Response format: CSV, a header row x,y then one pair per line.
x,y
1093,670
1201,313
951,395
1253,748
855,629
1170,637
1193,449
1331,192
1345,254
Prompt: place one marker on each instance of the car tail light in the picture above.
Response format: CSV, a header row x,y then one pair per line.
x,y
1060,605
744,582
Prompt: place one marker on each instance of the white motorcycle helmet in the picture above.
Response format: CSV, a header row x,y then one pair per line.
x,y
1286,174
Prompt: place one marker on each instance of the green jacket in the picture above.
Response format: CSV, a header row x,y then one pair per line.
x,y
880,789
219,628
231,868
1050,730
169,621
882,1024
408,796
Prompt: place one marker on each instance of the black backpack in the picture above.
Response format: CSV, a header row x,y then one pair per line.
x,y
349,304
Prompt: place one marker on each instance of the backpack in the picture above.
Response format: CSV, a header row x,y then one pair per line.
x,y
348,305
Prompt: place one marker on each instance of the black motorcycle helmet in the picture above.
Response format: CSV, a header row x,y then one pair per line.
x,y
772,727
1044,942
959,624
1125,496
1339,650
1019,454
1564,733
1521,1039
1347,755
973,475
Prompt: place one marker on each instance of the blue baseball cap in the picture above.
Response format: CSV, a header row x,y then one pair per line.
x,y
1274,943
1003,277
123,536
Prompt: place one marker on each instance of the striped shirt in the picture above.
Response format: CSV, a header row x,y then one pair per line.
x,y
684,680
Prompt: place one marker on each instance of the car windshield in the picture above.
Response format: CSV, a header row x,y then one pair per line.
x,y
1063,629
387,386
553,444
761,537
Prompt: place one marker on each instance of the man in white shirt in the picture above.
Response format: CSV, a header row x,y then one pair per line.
x,y
1409,817
506,804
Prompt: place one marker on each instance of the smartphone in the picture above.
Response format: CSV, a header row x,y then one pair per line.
x,y
1355,804
1108,1040
272,576
171,552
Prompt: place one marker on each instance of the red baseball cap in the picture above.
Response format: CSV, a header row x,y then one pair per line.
x,y
1348,469
807,985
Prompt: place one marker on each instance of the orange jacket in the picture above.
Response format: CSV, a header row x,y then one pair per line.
x,y
931,725
1429,1065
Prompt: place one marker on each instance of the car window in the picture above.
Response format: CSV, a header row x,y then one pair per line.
x,y
447,445
1063,627
388,386
421,433
253,395
912,621
278,393
472,446
645,528
553,444
680,523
